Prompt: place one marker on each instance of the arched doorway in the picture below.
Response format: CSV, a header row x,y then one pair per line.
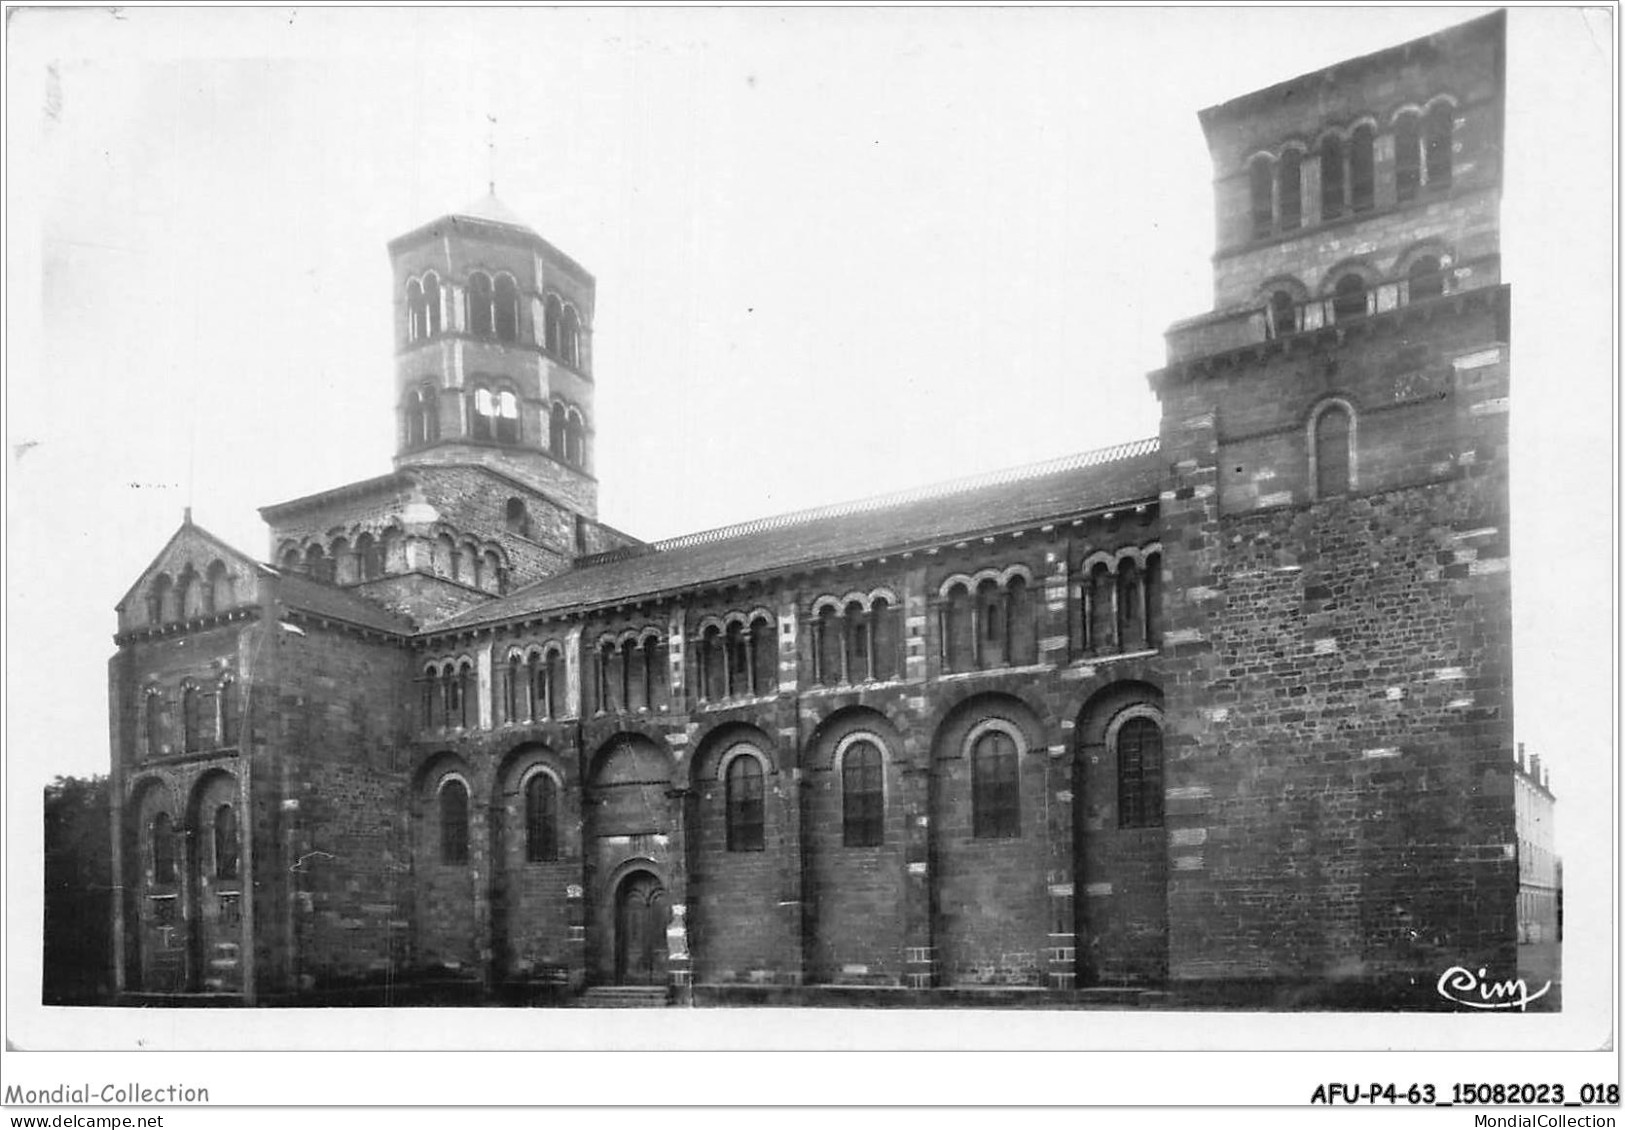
x,y
641,914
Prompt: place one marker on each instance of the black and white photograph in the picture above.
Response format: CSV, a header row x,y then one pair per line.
x,y
622,529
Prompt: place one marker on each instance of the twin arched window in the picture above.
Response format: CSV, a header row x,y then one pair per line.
x,y
423,308
495,415
493,306
567,434
422,417
561,331
995,787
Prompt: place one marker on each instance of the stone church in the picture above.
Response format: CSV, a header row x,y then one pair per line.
x,y
1225,710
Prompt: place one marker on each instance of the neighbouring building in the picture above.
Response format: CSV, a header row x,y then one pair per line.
x,y
1540,872
1224,709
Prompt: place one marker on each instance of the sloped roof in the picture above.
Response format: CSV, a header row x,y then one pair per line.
x,y
188,529
338,604
493,211
961,508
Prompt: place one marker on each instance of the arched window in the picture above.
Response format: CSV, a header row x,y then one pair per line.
x,y
1437,131
482,421
1331,177
555,430
431,703
556,675
188,594
1290,193
495,577
1130,616
552,317
537,703
857,643
1021,634
431,304
1332,452
570,338
417,319
481,305
1139,774
1407,157
154,707
575,438
634,677
541,819
228,707
445,556
452,694
191,719
225,842
163,850
992,625
507,309
391,554
745,807
1102,609
737,661
995,795
517,518
764,657
1283,314
1348,300
863,796
317,564
467,690
1362,169
654,662
344,564
366,553
220,593
828,645
883,633
1262,187
1425,279
507,417
958,634
1153,600
453,822
422,419
159,600
517,689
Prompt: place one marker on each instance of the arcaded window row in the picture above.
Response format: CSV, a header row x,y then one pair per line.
x,y
198,716
995,760
1423,139
492,308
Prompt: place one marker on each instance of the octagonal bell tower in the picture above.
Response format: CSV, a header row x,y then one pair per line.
x,y
493,361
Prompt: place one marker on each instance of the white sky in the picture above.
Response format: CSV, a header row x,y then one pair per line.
x,y
839,251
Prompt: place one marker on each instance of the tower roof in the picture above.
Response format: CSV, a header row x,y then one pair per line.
x,y
492,211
